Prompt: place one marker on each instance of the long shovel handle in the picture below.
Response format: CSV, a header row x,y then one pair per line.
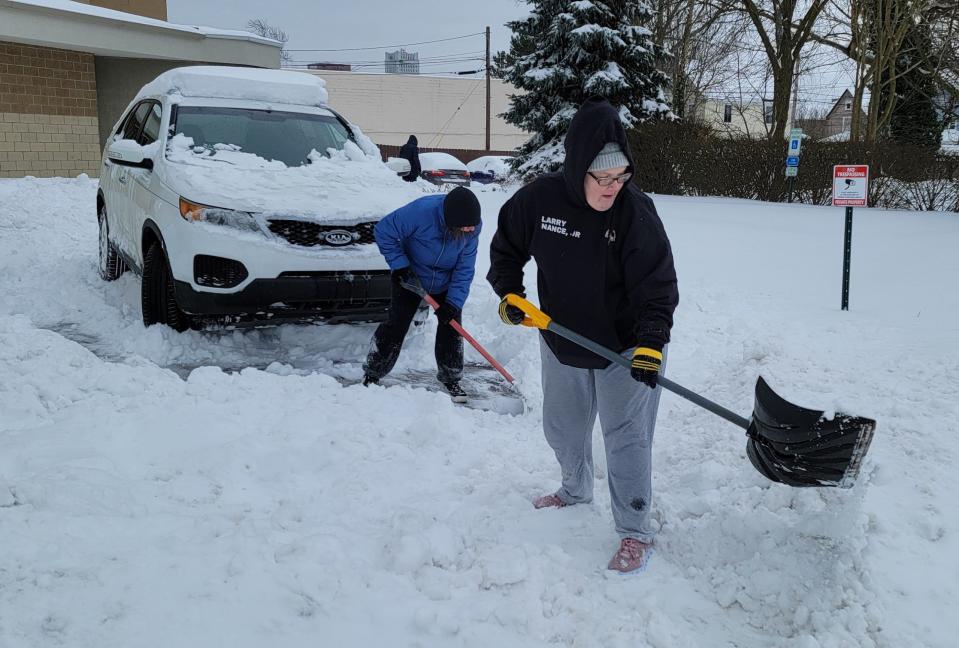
x,y
419,290
538,319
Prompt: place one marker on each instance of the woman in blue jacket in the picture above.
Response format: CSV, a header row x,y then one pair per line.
x,y
431,241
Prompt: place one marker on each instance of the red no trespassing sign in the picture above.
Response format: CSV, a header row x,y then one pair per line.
x,y
850,185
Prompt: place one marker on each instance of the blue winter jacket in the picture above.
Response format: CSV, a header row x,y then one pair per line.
x,y
416,235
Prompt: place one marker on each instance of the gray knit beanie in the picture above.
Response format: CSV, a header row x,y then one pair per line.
x,y
610,157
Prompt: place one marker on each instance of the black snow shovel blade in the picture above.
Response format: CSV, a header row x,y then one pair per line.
x,y
802,447
788,444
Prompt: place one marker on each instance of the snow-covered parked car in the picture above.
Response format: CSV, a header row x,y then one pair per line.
x,y
401,166
239,196
489,168
442,168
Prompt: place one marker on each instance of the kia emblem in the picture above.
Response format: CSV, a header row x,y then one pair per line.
x,y
338,237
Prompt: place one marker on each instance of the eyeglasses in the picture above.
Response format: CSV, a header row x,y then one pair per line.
x,y
605,181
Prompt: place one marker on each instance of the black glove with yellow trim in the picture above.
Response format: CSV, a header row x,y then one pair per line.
x,y
511,314
646,365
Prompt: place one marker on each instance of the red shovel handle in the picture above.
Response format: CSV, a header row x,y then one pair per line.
x,y
469,338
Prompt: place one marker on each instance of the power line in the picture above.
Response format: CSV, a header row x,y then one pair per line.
x,y
439,135
381,63
424,74
357,49
422,59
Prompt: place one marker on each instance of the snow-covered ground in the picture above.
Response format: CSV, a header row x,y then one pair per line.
x,y
221,489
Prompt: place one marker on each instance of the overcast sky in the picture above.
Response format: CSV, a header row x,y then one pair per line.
x,y
379,23
368,23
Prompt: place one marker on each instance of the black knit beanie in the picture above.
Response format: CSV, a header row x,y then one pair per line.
x,y
461,209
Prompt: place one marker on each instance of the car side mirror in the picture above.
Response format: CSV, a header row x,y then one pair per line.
x,y
128,153
399,165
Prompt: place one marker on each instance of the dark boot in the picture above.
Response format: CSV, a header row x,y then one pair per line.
x,y
449,353
456,392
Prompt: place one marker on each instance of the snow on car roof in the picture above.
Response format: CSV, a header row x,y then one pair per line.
x,y
437,160
498,163
254,84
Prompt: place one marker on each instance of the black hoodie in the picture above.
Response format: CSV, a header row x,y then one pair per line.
x,y
606,275
411,152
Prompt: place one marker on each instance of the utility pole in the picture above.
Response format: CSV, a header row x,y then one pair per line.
x,y
487,89
792,116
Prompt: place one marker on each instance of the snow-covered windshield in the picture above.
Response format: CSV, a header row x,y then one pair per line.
x,y
288,137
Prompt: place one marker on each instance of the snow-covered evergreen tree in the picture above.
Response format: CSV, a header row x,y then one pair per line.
x,y
567,51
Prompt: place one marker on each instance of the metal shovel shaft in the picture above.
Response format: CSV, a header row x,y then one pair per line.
x,y
677,389
786,443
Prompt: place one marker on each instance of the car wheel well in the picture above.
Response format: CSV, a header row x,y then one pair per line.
x,y
148,238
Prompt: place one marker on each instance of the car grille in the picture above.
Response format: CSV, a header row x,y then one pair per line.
x,y
218,272
309,234
343,289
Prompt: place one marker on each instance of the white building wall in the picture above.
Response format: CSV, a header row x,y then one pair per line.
x,y
747,119
442,112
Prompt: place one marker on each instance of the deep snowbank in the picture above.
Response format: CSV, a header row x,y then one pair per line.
x,y
220,489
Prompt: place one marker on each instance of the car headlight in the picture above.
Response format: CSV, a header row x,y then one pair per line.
x,y
192,211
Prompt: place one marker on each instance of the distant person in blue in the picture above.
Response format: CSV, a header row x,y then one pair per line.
x,y
432,242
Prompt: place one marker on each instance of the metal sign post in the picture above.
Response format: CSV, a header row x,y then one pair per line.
x,y
792,159
850,188
846,258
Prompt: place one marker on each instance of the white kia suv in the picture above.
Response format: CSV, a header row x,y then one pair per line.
x,y
240,197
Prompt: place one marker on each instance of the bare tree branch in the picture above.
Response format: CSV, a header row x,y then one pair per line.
x,y
262,28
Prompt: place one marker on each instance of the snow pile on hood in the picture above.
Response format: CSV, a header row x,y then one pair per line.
x,y
365,143
253,84
344,186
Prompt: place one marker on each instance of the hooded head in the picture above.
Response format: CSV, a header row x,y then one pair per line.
x,y
594,126
412,140
461,209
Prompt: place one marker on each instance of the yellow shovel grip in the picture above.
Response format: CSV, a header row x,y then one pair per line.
x,y
534,316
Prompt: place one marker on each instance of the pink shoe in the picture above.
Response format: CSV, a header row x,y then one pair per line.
x,y
548,501
632,556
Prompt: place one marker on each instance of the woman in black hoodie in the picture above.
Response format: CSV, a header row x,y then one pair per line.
x,y
605,270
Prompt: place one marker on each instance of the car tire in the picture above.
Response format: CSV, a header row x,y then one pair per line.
x,y
157,294
110,265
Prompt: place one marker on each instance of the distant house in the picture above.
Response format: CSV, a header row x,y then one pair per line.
x,y
736,118
837,121
947,110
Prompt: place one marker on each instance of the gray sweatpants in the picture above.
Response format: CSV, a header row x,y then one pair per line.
x,y
627,414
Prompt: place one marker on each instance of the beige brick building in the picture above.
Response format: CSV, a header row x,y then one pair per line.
x,y
442,112
69,69
48,112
